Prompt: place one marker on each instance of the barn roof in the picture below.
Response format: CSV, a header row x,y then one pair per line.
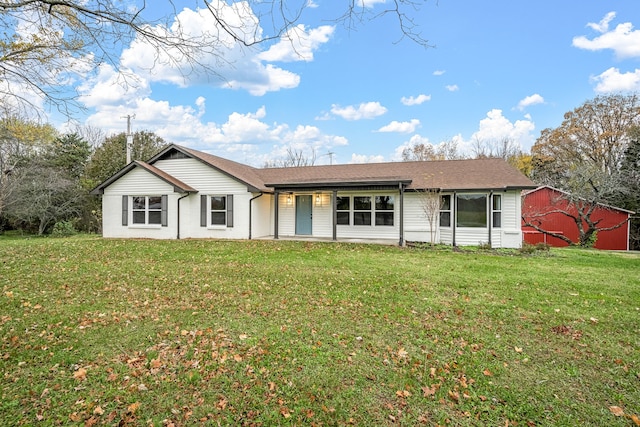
x,y
557,190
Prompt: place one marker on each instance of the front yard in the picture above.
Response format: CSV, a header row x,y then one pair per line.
x,y
140,332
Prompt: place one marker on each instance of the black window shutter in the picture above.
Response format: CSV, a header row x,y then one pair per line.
x,y
125,210
203,210
163,215
229,210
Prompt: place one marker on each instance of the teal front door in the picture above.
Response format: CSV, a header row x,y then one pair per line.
x,y
303,215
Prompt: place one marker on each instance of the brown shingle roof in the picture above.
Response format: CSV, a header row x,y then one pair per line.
x,y
446,175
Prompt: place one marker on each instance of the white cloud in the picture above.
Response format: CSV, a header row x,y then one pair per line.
x,y
603,25
242,137
110,87
613,80
496,127
369,3
366,110
530,100
452,88
439,72
623,40
298,44
401,127
364,158
420,99
242,68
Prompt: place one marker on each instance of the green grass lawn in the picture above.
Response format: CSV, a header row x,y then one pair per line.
x,y
197,332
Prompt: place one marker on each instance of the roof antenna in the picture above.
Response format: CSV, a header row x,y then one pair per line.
x,y
129,145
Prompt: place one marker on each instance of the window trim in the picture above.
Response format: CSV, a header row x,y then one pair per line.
x,y
495,211
444,211
372,211
464,196
347,211
212,211
205,211
128,210
363,211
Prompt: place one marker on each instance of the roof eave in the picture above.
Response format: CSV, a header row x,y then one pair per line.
x,y
339,184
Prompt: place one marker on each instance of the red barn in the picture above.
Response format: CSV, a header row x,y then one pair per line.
x,y
542,206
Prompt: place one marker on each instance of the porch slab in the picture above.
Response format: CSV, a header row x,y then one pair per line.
x,y
389,242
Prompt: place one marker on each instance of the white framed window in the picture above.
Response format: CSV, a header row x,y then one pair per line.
x,y
378,210
496,208
216,210
147,210
343,208
362,210
384,210
445,211
471,210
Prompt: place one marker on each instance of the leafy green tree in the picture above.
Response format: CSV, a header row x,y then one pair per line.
x,y
69,152
111,156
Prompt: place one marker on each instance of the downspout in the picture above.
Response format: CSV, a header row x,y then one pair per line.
x,y
490,216
250,206
453,219
401,242
180,198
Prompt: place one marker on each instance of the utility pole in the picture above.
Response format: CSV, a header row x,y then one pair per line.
x,y
330,154
129,136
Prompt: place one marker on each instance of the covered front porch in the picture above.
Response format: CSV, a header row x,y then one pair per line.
x,y
362,212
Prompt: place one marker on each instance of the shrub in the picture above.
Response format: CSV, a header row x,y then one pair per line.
x,y
63,229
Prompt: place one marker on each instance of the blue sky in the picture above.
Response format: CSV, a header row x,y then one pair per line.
x,y
497,69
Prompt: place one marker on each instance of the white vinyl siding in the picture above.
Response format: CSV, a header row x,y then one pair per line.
x,y
208,181
138,182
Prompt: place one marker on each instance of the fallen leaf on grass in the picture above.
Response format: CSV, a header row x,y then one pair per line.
x,y
284,411
518,349
616,410
429,391
98,410
133,407
487,373
635,420
80,374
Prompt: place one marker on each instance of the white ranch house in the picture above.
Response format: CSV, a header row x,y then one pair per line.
x,y
185,193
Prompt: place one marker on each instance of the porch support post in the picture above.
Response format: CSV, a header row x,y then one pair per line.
x,y
490,219
275,214
454,214
401,242
334,200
